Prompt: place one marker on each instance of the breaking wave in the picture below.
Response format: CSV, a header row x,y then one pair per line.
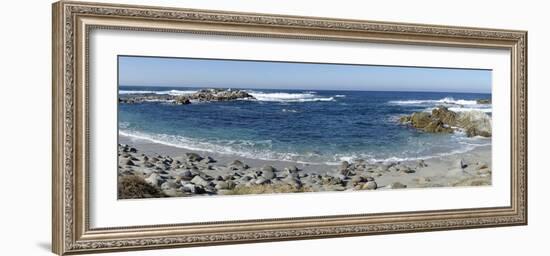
x,y
170,92
446,100
289,97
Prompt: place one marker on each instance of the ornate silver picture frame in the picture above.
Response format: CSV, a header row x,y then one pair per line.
x,y
72,208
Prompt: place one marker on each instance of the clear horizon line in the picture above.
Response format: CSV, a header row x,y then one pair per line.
x,y
299,89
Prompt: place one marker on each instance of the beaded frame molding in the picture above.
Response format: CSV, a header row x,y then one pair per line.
x,y
72,22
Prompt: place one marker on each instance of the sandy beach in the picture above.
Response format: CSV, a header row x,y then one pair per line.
x,y
176,171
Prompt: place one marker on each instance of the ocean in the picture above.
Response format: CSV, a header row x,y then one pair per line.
x,y
301,126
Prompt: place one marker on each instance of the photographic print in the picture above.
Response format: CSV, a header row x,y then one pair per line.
x,y
286,122
202,127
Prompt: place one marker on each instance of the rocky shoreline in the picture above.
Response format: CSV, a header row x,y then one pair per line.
x,y
146,175
204,95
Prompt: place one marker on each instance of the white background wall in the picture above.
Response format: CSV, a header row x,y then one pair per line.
x,y
25,116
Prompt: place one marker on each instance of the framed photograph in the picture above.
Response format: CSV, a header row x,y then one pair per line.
x,y
179,127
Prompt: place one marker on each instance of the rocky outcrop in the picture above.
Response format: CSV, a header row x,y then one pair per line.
x,y
204,95
442,120
220,95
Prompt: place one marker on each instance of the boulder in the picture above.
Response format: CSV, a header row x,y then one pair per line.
x,y
154,179
482,166
198,180
187,175
268,168
330,180
294,182
371,185
268,172
192,188
485,171
225,185
168,185
461,163
405,169
172,192
357,180
421,164
261,181
292,169
193,157
208,160
238,165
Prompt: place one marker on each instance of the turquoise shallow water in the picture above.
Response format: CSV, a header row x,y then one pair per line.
x,y
303,126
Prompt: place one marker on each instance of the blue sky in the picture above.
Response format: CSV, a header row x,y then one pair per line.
x,y
184,72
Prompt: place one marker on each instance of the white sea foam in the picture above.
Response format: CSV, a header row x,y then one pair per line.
x,y
466,148
486,110
170,92
464,109
247,149
446,100
123,125
459,105
236,148
290,110
289,97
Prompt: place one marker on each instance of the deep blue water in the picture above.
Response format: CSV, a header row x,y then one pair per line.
x,y
305,126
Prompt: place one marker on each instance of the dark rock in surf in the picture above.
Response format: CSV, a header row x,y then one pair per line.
x,y
483,101
182,100
204,95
